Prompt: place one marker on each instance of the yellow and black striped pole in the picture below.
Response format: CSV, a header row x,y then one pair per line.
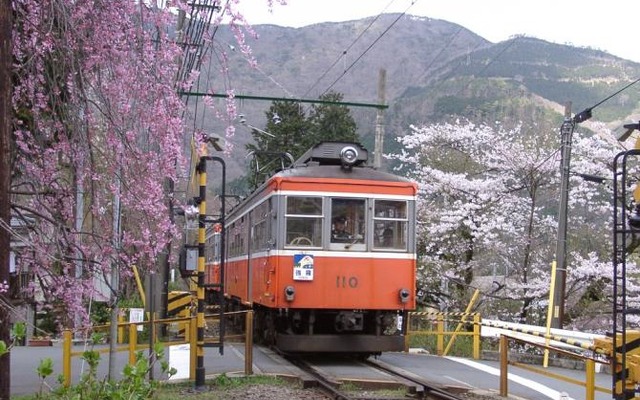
x,y
202,172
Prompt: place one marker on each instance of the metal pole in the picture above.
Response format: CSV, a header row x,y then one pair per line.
x,y
379,139
152,327
202,203
115,283
566,132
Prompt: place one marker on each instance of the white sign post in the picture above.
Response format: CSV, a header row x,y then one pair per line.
x,y
137,315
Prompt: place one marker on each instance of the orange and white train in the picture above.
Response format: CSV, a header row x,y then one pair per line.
x,y
325,253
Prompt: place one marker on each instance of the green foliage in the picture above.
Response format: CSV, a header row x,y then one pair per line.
x,y
100,313
176,286
222,380
286,129
133,385
131,302
45,368
220,387
289,130
452,105
331,122
18,332
461,347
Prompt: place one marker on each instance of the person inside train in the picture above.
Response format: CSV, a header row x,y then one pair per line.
x,y
339,232
387,238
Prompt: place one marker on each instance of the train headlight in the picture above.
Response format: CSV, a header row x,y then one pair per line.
x,y
289,293
348,155
404,295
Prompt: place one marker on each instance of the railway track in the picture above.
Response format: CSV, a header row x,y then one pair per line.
x,y
425,390
417,388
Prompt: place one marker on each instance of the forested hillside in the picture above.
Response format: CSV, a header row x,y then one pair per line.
x,y
435,71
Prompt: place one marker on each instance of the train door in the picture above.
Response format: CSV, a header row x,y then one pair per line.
x,y
260,246
236,267
250,246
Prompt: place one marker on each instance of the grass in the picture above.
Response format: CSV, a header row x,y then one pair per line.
x,y
462,346
216,388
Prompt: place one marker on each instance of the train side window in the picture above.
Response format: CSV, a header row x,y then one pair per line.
x,y
390,224
235,239
260,230
303,221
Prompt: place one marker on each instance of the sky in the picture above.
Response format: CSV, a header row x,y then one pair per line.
x,y
610,26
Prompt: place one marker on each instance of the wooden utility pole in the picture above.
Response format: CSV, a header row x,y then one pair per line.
x,y
379,140
566,132
6,26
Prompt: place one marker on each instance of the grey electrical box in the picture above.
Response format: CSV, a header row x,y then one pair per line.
x,y
191,263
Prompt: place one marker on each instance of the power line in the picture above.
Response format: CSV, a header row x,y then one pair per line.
x,y
295,100
507,47
428,67
369,48
586,113
344,52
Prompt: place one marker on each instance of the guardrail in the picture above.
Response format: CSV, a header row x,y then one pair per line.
x,y
556,341
438,321
589,362
132,346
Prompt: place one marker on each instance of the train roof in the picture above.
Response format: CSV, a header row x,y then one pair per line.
x,y
336,160
362,172
329,160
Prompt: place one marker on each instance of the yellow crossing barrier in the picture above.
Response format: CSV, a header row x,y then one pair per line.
x,y
572,342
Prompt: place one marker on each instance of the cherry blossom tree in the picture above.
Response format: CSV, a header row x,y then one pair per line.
x,y
487,216
98,131
99,128
99,121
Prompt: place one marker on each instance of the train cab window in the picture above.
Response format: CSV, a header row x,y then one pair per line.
x,y
390,224
303,221
348,224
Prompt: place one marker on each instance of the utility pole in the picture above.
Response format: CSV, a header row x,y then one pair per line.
x,y
379,140
115,281
6,26
566,132
202,212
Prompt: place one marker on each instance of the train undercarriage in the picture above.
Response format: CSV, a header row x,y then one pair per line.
x,y
361,332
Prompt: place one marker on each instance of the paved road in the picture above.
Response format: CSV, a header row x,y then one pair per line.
x,y
465,373
445,370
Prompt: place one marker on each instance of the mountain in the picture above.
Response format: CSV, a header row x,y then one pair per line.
x,y
435,71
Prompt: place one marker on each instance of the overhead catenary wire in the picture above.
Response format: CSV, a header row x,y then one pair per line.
x,y
442,49
369,48
493,59
345,51
586,113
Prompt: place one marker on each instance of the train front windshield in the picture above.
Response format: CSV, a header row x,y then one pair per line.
x,y
346,223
